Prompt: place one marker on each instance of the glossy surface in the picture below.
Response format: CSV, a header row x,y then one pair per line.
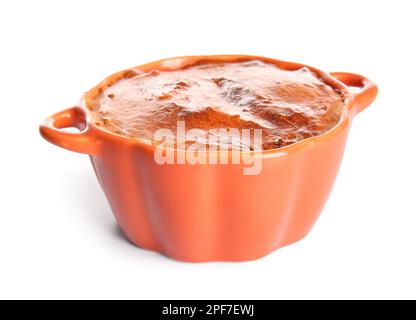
x,y
212,212
287,106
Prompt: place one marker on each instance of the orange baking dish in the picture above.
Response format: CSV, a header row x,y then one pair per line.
x,y
208,212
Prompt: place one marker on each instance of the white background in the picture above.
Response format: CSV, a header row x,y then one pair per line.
x,y
58,238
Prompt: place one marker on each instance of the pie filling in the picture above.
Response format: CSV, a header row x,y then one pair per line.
x,y
221,98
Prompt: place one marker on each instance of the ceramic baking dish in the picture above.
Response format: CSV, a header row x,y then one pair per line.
x,y
211,212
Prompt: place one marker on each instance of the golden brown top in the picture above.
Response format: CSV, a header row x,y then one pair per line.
x,y
288,106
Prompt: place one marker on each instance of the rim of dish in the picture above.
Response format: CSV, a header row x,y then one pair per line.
x,y
186,61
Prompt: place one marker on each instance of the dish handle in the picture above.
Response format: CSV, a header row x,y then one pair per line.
x,y
366,89
83,141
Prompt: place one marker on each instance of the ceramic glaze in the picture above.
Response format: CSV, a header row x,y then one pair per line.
x,y
204,212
